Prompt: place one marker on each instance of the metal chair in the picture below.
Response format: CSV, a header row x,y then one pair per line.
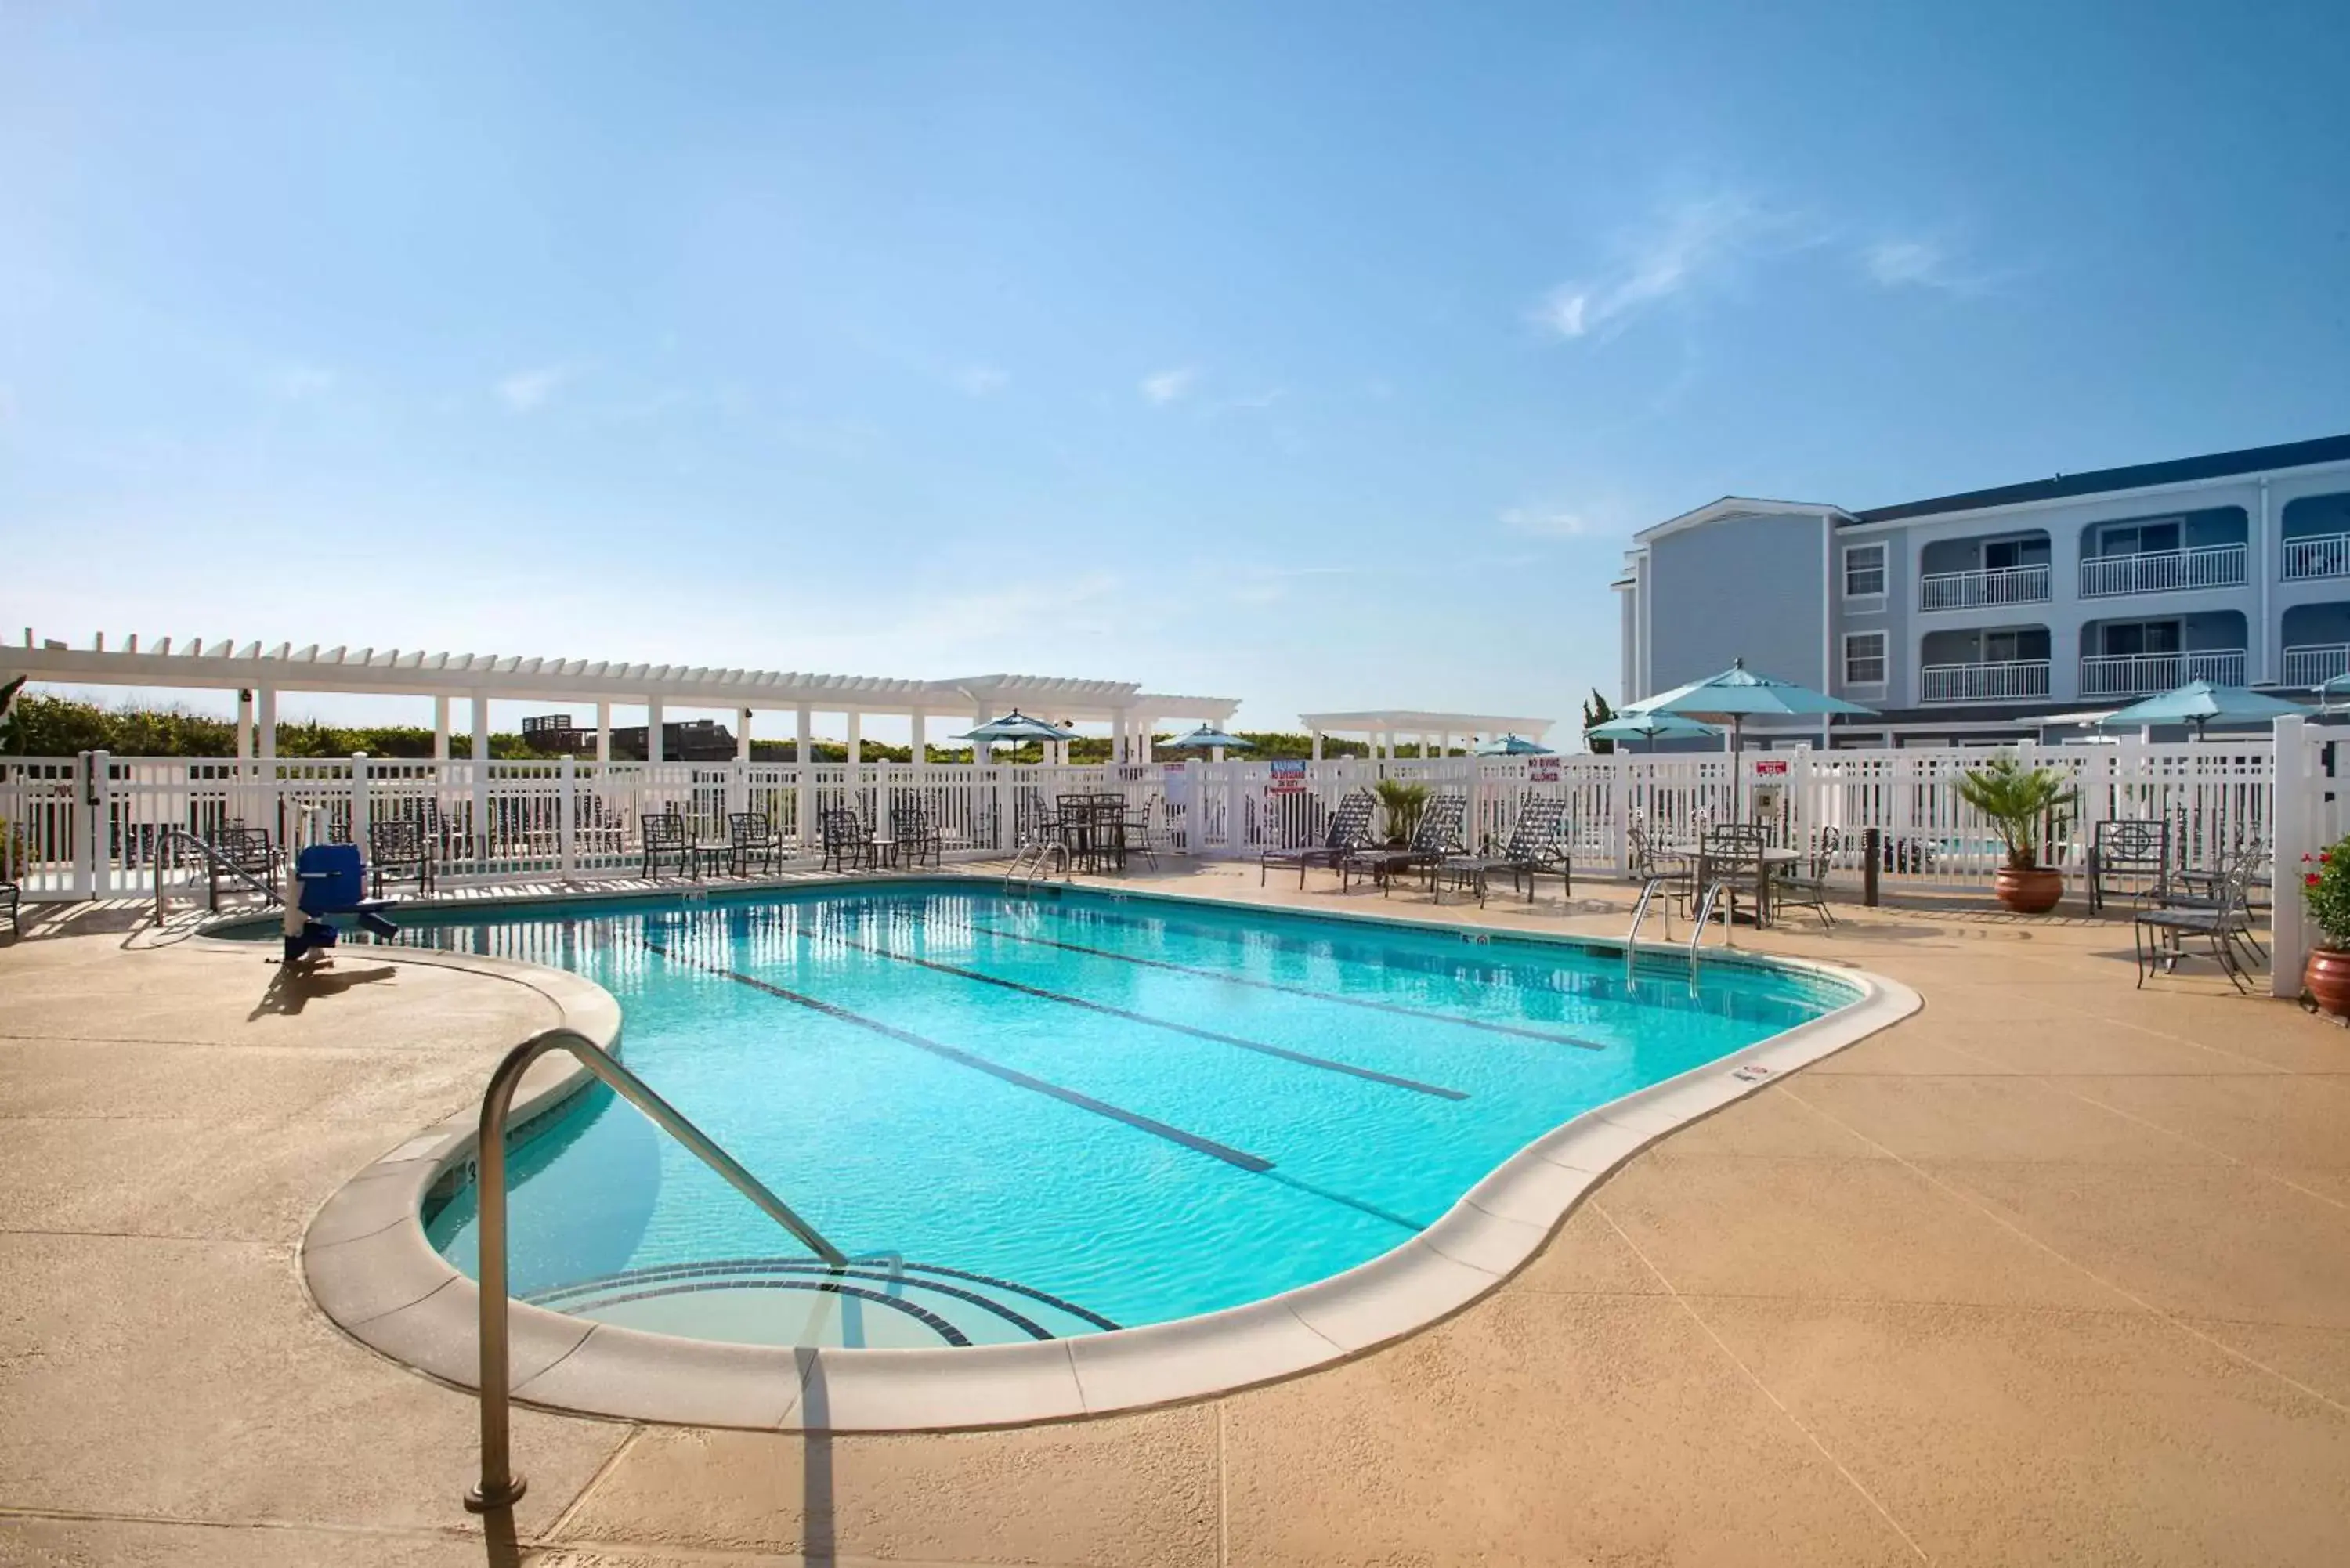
x,y
2133,853
1538,843
397,852
919,838
1810,891
1348,830
847,844
751,836
1437,837
665,839
2157,934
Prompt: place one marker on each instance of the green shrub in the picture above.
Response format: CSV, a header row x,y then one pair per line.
x,y
2326,893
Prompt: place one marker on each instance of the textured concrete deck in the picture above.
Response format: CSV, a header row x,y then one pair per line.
x,y
2057,1271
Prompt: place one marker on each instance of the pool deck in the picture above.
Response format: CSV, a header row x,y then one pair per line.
x,y
2053,1272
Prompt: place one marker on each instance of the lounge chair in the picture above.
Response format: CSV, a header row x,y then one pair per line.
x,y
751,836
847,844
665,839
1538,843
1437,837
397,852
2129,856
1348,830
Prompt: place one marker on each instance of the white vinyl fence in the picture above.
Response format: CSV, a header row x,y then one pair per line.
x,y
89,826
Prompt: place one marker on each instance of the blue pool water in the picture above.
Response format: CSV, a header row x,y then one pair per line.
x,y
1041,1117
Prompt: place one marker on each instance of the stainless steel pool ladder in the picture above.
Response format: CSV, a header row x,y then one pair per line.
x,y
1031,863
500,1487
1648,891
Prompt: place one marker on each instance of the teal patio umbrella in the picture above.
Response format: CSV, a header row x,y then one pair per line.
x,y
2199,702
1013,728
1648,727
1206,738
1739,693
1514,746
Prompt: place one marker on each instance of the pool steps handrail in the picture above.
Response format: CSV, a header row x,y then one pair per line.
x,y
500,1487
213,857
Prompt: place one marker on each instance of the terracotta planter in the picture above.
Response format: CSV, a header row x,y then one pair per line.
x,y
2030,892
2326,977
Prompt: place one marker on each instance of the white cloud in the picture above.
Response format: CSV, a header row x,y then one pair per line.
x,y
1545,523
528,390
1922,263
981,381
1163,387
301,383
1689,245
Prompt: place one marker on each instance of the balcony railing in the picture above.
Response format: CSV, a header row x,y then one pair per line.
x,y
2163,571
2317,555
2141,674
1989,585
2314,664
2003,680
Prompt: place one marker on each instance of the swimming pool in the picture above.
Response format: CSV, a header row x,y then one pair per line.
x,y
1046,1116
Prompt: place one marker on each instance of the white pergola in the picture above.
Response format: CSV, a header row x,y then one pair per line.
x,y
258,675
1386,727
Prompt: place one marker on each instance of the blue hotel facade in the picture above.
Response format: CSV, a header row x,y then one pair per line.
x,y
2007,613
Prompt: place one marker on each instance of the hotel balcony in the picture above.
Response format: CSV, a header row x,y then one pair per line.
x,y
1986,587
2007,681
2144,674
2163,571
2310,667
2314,555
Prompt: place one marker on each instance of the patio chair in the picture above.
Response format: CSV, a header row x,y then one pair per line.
x,y
1145,834
1538,843
751,836
919,838
245,850
2188,888
665,839
1437,837
1674,873
847,842
1348,830
2131,857
1809,890
397,852
2157,936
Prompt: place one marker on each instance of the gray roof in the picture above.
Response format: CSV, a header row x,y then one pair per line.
x,y
2139,476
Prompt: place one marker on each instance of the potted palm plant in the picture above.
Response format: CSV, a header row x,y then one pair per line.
x,y
2325,894
1404,803
2025,805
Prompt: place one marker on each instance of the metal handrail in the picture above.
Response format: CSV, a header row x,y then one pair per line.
x,y
500,1487
213,857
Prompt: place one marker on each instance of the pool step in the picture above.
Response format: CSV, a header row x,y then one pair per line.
x,y
877,1302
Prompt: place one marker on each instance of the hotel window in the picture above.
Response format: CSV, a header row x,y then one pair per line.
x,y
1864,571
1863,659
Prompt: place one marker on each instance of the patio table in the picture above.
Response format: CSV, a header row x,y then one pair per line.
x,y
1766,865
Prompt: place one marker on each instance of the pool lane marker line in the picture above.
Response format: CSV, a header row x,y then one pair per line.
x,y
1327,1065
1306,990
1208,1146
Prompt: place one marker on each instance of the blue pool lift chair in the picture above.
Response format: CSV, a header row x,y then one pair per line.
x,y
334,885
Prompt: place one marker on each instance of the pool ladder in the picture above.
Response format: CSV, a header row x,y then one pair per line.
x,y
1648,891
500,1487
1034,862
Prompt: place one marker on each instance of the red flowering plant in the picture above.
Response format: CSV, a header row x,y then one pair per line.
x,y
2325,892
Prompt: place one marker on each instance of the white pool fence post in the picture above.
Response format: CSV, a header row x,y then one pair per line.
x,y
359,802
566,818
88,878
2295,830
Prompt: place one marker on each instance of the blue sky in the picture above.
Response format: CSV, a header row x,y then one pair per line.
x,y
1322,356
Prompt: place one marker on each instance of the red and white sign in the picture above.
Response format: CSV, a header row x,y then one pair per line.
x,y
1766,767
1542,770
1287,778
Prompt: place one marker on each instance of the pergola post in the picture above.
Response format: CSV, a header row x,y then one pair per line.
x,y
653,730
1317,745
804,788
1142,738
265,724
742,737
1121,742
856,738
481,706
603,731
981,751
917,749
441,728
